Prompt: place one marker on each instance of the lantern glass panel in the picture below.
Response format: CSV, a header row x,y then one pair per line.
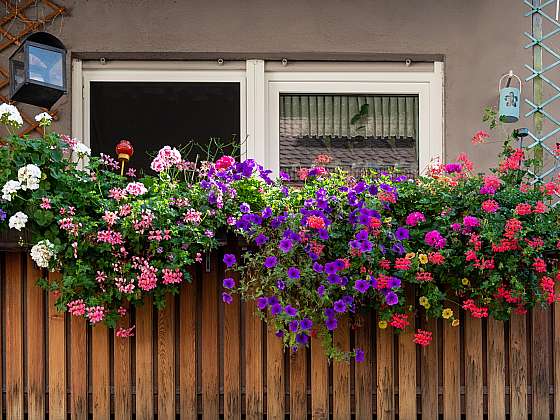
x,y
18,68
45,66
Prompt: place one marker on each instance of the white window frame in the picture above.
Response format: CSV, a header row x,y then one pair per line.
x,y
83,73
428,85
260,95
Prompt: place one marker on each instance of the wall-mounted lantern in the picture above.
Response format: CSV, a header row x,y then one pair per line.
x,y
510,98
38,70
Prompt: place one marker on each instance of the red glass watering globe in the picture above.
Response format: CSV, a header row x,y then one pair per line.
x,y
124,151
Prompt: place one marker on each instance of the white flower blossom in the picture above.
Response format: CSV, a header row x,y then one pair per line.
x,y
18,221
42,253
29,177
9,189
44,118
82,150
9,114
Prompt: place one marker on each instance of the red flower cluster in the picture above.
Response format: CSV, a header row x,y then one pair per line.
x,y
315,222
476,311
399,321
423,337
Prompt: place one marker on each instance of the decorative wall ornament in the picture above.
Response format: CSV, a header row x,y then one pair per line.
x,y
22,18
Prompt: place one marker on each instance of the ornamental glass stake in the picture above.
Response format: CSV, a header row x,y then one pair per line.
x,y
124,151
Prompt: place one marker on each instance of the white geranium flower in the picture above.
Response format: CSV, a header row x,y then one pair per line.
x,y
44,118
9,114
29,177
82,150
9,189
18,221
42,253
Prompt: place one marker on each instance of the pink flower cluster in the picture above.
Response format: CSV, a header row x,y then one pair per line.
x,y
414,218
109,237
224,163
95,314
136,189
165,159
172,276
76,307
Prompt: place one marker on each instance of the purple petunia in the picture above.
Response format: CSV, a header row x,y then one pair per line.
x,y
3,215
261,239
362,235
306,324
361,286
244,208
331,324
276,309
280,285
321,290
270,262
318,268
402,234
391,299
229,260
393,282
229,283
293,326
359,354
293,273
453,168
226,297
339,306
365,246
262,303
290,310
302,339
285,245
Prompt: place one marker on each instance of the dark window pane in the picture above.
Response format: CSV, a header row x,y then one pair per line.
x,y
152,115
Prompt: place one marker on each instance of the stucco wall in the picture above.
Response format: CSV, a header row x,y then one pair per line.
x,y
478,39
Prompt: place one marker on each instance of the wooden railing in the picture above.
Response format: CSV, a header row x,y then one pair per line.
x,y
198,356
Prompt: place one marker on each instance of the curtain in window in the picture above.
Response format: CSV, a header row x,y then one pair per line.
x,y
378,116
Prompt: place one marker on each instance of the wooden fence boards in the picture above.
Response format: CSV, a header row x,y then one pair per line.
x,y
238,369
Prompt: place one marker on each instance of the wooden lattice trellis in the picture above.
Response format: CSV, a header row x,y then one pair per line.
x,y
17,23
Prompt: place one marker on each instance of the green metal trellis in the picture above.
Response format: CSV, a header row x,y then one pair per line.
x,y
546,127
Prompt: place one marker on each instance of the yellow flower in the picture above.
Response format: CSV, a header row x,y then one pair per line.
x,y
388,219
423,258
410,255
447,313
465,281
455,323
423,301
382,324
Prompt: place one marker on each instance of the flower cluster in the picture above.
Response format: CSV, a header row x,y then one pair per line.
x,y
323,253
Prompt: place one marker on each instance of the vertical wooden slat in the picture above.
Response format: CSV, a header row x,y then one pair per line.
x,y
122,373
298,384
473,368
14,337
556,352
407,364
275,391
35,337
496,370
319,381
539,361
101,396
78,375
518,367
166,360
451,370
210,359
253,364
341,373
385,375
429,369
232,361
57,359
144,361
364,372
187,350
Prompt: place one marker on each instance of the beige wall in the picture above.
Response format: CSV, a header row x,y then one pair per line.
x,y
478,40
